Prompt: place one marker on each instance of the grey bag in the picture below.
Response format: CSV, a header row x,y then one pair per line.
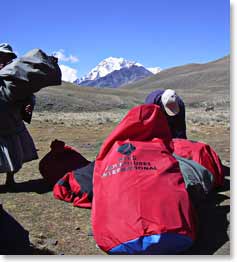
x,y
198,180
28,74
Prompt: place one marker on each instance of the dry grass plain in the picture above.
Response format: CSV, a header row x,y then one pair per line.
x,y
52,221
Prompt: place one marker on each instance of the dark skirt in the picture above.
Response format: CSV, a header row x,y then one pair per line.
x,y
15,150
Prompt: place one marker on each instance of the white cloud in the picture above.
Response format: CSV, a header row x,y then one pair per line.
x,y
62,57
69,74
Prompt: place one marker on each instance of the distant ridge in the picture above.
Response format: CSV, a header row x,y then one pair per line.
x,y
214,75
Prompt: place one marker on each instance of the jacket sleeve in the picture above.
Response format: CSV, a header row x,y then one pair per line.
x,y
27,75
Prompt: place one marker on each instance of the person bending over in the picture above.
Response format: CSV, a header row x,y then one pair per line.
x,y
174,109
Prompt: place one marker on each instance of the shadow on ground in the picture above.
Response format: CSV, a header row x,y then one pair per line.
x,y
213,221
38,186
14,239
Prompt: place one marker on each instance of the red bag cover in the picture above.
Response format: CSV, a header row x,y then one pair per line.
x,y
76,187
60,160
202,154
137,184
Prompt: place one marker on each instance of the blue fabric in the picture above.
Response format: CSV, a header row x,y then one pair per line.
x,y
159,244
176,123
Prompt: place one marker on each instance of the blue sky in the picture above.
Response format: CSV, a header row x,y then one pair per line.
x,y
161,33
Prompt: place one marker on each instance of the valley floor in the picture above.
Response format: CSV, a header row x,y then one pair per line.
x,y
59,228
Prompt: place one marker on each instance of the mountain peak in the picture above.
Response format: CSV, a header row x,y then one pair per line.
x,y
109,65
119,61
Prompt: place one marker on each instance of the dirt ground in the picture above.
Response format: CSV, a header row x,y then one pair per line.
x,y
56,227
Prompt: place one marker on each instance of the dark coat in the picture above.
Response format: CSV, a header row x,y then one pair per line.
x,y
18,81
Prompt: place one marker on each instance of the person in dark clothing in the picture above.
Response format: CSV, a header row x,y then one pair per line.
x,y
19,80
7,56
174,109
11,154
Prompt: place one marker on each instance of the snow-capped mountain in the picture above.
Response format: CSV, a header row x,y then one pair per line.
x,y
107,66
110,65
120,77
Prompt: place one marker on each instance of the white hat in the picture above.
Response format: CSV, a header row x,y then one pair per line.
x,y
169,100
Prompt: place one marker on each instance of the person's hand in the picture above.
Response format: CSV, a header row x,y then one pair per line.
x,y
29,109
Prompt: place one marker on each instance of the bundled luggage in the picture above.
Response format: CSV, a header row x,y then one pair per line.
x,y
60,160
144,186
140,202
202,154
28,74
76,187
